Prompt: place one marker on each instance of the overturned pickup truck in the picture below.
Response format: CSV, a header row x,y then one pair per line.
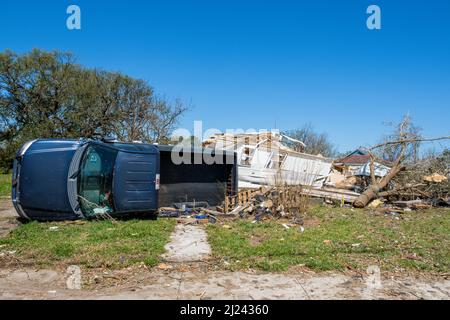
x,y
56,180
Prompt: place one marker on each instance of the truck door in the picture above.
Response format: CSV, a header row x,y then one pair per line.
x,y
136,182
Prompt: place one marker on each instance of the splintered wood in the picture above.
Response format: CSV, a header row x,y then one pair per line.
x,y
289,197
243,198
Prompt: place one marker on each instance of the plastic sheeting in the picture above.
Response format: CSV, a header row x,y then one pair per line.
x,y
380,170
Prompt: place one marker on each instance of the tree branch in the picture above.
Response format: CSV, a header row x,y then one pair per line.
x,y
405,141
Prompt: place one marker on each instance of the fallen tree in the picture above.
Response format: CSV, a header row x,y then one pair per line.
x,y
407,140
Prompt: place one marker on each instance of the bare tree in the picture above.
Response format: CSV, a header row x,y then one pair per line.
x,y
146,117
390,152
316,143
164,116
403,146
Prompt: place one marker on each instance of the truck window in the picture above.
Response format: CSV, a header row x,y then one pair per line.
x,y
96,179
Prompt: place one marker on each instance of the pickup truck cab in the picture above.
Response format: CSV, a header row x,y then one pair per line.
x,y
81,179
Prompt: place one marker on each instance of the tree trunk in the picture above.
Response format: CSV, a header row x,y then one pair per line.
x,y
372,192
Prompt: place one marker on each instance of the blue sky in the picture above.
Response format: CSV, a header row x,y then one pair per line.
x,y
261,64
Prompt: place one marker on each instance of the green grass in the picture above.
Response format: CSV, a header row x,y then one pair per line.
x,y
5,185
93,244
419,241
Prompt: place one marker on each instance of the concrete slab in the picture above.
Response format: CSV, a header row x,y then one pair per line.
x,y
154,285
188,243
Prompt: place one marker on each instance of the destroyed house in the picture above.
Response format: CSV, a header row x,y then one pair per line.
x,y
353,162
265,159
357,163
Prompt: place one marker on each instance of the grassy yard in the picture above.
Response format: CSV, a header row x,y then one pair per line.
x,y
336,239
92,244
5,185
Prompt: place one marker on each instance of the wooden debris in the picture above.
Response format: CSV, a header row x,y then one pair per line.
x,y
375,204
435,178
407,204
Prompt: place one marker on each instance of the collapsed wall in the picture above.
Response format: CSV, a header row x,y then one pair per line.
x,y
264,159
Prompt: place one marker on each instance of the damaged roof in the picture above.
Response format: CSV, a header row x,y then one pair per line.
x,y
264,140
354,160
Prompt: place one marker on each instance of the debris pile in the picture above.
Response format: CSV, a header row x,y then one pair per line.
x,y
426,180
436,178
200,213
422,184
288,202
266,203
270,159
359,179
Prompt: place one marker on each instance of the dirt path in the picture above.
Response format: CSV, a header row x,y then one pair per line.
x,y
188,243
156,284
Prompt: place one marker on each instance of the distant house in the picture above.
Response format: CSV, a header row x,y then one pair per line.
x,y
353,162
357,163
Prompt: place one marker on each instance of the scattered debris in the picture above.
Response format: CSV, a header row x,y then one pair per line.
x,y
412,205
348,183
169,214
202,220
165,267
191,205
375,204
436,178
407,204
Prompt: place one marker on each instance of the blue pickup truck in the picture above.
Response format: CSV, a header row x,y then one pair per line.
x,y
56,180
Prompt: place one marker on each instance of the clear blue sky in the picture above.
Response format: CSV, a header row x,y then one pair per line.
x,y
254,64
